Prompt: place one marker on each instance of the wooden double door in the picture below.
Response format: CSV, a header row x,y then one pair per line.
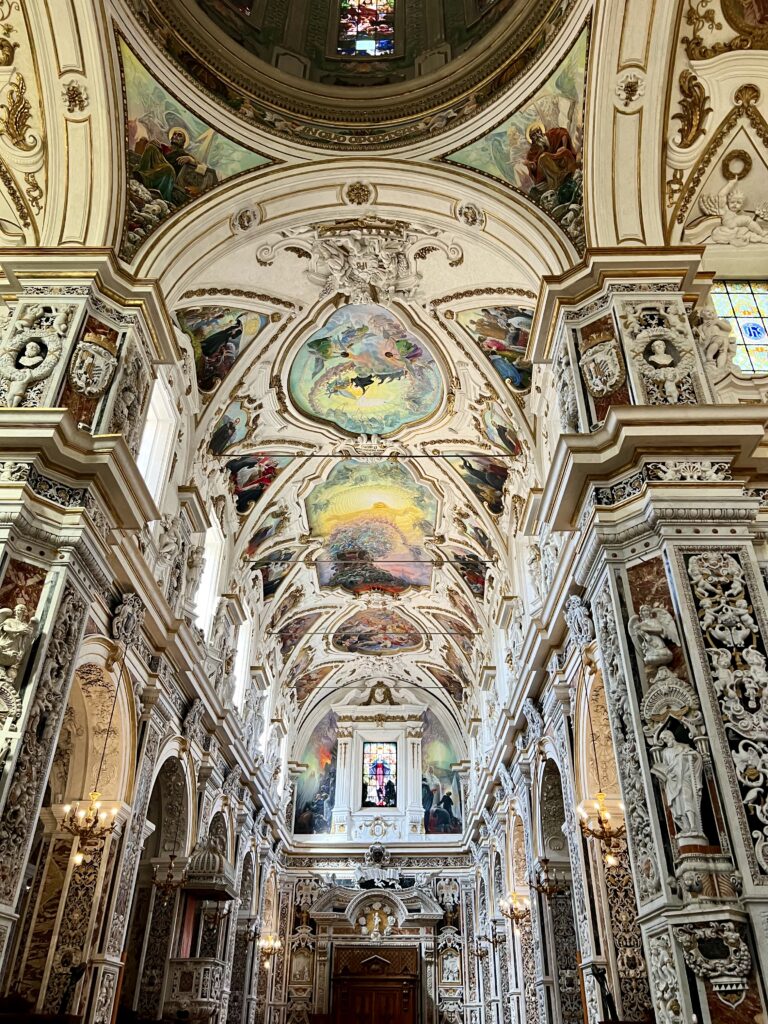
x,y
375,986
375,1001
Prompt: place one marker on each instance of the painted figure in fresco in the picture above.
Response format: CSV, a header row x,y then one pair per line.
x,y
171,169
219,352
251,475
755,12
225,431
551,157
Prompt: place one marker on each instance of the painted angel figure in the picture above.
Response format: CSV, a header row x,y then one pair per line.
x,y
650,630
737,226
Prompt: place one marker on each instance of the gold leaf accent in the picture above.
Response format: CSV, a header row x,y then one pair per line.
x,y
15,115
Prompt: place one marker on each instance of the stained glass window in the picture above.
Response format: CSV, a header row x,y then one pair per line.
x,y
744,304
367,29
379,775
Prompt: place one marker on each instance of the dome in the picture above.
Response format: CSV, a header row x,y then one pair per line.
x,y
400,69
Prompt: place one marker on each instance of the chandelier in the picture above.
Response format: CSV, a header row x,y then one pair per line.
x,y
515,908
547,884
269,945
91,825
169,884
607,834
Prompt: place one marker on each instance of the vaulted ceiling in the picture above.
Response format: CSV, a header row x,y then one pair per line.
x,y
355,329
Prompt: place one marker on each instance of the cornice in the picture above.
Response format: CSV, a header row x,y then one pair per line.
x,y
587,279
99,268
633,432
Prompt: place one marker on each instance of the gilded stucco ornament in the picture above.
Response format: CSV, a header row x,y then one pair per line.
x,y
693,109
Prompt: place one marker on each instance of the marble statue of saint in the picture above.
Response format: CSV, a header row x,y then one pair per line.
x,y
681,770
17,631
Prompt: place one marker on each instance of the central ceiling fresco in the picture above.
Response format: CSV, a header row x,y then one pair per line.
x,y
366,373
373,519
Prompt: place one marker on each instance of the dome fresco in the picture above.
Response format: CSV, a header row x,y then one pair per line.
x,y
366,373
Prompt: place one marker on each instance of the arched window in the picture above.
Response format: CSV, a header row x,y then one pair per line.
x,y
158,437
744,304
242,660
208,591
366,30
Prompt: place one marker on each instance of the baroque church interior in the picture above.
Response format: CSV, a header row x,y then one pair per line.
x,y
384,511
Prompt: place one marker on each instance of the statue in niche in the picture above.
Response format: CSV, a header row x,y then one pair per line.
x,y
195,567
716,339
17,632
681,770
170,539
650,630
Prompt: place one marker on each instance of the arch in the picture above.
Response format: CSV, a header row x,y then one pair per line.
x,y
97,744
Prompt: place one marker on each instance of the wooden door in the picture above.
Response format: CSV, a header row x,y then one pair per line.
x,y
374,1001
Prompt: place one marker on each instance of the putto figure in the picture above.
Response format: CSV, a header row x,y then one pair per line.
x,y
17,632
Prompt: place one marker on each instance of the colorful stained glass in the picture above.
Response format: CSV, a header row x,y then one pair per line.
x,y
379,774
744,304
366,30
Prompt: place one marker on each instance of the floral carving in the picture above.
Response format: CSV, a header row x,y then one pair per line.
x,y
693,109
665,984
739,677
640,834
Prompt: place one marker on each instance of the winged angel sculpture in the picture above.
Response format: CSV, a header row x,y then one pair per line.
x,y
736,225
651,629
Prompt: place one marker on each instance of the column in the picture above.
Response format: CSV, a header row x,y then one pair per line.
x,y
341,820
42,717
414,810
668,560
107,958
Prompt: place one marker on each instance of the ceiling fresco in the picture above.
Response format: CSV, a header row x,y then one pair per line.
x,y
295,630
218,333
251,475
501,334
365,372
459,631
485,475
173,156
273,568
539,149
377,631
373,519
